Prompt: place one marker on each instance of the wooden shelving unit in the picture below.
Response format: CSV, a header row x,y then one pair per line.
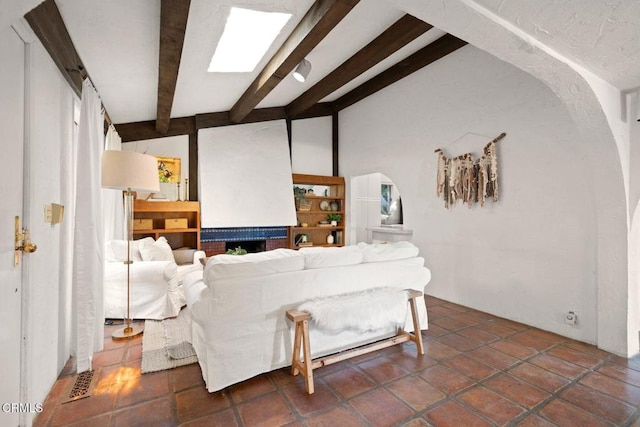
x,y
158,212
335,195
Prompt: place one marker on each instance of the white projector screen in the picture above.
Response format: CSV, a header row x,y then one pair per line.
x,y
244,174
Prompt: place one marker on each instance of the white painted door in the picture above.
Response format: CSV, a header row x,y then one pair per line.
x,y
11,147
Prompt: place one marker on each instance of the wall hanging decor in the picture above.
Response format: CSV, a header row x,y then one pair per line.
x,y
469,180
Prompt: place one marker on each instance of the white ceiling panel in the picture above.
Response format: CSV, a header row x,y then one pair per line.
x,y
198,91
118,41
365,22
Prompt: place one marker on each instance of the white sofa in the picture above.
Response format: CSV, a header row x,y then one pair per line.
x,y
156,278
238,305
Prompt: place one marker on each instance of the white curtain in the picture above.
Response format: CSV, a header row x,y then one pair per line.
x,y
89,233
114,227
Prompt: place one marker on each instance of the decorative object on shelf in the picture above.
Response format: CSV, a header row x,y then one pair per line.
x,y
176,223
237,251
472,181
143,224
300,194
330,239
186,189
334,219
168,169
129,171
324,205
334,206
179,195
300,239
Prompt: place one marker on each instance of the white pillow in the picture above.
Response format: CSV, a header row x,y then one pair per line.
x,y
331,257
388,251
255,264
158,251
118,248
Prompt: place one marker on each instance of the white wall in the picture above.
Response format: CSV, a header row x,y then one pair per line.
x,y
487,31
311,146
531,256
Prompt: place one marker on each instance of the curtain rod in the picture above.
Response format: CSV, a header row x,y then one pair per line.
x,y
496,139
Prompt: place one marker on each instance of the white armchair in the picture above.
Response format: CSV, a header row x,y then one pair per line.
x,y
156,278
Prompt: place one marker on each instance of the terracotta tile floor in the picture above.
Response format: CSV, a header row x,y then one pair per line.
x,y
478,370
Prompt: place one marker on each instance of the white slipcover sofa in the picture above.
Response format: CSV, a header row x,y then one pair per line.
x,y
157,273
238,304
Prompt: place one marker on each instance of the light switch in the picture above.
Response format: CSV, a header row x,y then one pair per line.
x,y
48,211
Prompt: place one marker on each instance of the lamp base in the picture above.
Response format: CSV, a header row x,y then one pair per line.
x,y
127,332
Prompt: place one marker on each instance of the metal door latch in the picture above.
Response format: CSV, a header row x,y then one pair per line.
x,y
22,242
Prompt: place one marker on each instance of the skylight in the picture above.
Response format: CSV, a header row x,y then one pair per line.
x,y
246,37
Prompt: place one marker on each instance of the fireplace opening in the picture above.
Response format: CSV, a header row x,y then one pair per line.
x,y
251,246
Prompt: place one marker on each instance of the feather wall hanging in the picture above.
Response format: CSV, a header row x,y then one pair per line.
x,y
468,180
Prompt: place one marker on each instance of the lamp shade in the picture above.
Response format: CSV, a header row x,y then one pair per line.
x,y
122,170
302,70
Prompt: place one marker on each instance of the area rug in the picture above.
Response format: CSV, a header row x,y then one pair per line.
x,y
166,343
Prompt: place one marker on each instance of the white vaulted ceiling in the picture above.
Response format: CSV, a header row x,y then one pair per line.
x,y
602,36
118,42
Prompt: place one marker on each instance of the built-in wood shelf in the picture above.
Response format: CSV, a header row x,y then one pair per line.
x,y
158,212
335,192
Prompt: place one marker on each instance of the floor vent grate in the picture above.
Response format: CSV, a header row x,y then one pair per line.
x,y
82,386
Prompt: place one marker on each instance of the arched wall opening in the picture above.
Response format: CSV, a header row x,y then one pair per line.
x,y
377,211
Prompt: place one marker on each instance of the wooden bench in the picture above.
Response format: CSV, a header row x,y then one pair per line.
x,y
306,365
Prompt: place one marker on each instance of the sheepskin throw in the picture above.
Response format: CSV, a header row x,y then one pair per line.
x,y
362,311
472,181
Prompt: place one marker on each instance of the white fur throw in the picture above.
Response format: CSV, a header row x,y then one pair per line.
x,y
362,311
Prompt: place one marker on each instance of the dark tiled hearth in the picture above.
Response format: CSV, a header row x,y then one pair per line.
x,y
477,370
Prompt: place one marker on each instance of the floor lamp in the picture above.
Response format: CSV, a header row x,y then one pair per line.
x,y
129,171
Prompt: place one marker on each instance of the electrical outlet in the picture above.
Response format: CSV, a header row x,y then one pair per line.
x,y
570,318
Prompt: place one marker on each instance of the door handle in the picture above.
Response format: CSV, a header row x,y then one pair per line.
x,y
22,242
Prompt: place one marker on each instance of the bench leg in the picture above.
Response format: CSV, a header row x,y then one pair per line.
x,y
301,342
296,349
308,368
417,334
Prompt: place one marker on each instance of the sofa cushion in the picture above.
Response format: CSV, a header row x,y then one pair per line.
x,y
255,264
117,249
387,251
331,257
157,251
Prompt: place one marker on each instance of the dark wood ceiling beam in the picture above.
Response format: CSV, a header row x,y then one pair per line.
x,y
402,32
138,131
425,56
173,24
321,18
321,109
46,22
223,118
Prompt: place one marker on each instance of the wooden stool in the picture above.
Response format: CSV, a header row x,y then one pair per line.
x,y
301,342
